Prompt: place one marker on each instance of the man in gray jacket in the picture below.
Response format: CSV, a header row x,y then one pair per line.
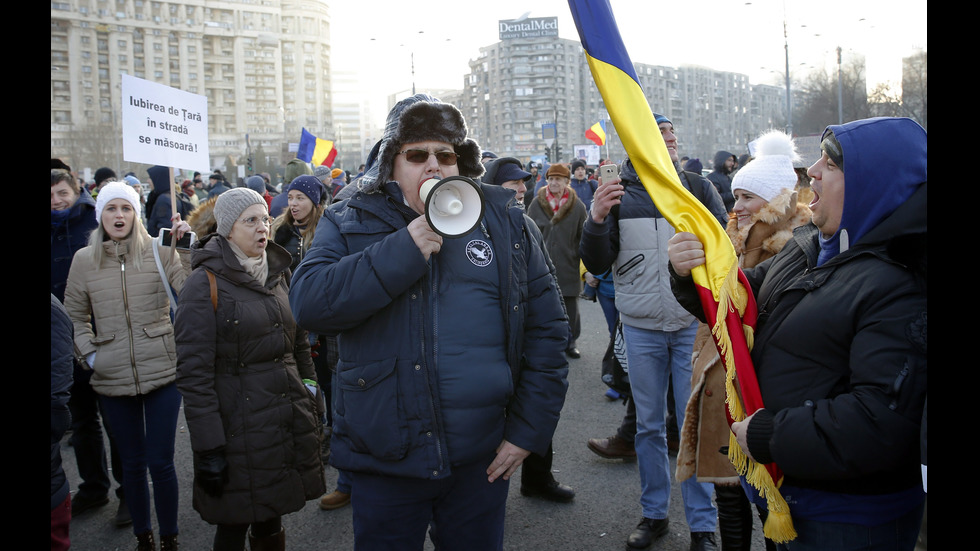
x,y
626,232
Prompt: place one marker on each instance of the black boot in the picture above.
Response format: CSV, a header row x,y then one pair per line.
x,y
275,542
734,518
144,542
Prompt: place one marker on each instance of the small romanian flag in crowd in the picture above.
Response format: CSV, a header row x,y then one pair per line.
x,y
597,133
729,305
316,151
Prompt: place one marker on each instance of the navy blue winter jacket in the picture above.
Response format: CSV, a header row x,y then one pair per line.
x,y
364,279
62,355
69,233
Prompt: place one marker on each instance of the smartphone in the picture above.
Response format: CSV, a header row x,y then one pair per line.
x,y
608,172
184,242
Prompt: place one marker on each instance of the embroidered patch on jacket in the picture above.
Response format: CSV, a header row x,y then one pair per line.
x,y
479,252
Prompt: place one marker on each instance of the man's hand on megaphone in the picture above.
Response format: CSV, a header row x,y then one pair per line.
x,y
426,240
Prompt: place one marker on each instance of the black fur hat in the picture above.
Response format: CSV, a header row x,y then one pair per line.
x,y
419,118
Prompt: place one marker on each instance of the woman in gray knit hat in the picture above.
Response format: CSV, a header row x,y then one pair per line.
x,y
251,399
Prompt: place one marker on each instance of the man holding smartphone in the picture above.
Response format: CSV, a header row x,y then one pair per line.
x,y
626,232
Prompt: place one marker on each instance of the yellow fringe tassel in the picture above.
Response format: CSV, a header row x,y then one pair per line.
x,y
779,523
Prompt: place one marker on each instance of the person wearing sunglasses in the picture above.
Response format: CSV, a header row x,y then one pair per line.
x,y
452,366
251,398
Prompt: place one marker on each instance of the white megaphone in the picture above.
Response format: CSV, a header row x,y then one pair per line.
x,y
453,205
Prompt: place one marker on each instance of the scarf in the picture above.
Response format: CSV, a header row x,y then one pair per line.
x,y
556,202
255,267
58,217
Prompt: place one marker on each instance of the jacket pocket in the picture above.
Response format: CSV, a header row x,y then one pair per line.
x,y
99,340
631,269
163,330
369,407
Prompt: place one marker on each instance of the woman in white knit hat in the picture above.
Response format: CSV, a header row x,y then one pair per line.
x,y
765,213
114,282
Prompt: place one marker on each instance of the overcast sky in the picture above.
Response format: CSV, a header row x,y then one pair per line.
x,y
727,35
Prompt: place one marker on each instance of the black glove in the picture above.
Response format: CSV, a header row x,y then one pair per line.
x,y
211,471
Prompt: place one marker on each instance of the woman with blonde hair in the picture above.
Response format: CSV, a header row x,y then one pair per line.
x,y
765,213
120,309
295,227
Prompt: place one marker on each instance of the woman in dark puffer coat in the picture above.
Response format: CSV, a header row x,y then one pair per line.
x,y
245,372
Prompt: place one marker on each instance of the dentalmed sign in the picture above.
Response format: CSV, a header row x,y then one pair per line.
x,y
525,27
163,125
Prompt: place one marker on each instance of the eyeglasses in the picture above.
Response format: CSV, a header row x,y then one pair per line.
x,y
419,156
251,221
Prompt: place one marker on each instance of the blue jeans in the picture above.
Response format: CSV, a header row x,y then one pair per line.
x,y
343,481
464,511
897,535
653,356
145,428
609,310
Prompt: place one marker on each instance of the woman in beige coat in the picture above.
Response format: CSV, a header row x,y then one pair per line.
x,y
120,310
765,213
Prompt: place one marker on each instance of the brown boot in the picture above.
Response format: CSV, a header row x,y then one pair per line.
x,y
275,542
169,543
613,447
144,542
334,500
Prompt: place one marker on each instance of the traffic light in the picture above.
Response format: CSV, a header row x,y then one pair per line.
x,y
557,152
547,153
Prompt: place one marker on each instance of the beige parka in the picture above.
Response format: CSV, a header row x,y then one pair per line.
x,y
132,334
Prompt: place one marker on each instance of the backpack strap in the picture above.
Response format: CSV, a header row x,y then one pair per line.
x,y
214,289
697,191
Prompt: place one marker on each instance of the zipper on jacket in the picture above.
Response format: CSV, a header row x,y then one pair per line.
x,y
436,411
129,321
897,385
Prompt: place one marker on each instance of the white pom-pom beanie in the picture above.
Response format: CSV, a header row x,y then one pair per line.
x,y
771,169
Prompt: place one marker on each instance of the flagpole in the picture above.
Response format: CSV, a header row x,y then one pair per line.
x,y
607,145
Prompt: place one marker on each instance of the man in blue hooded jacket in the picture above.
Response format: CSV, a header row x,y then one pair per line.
x,y
840,344
451,350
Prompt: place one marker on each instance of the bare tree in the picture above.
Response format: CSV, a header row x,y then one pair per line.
x,y
911,102
824,94
94,145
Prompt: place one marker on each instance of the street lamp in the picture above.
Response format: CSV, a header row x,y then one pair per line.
x,y
840,91
789,95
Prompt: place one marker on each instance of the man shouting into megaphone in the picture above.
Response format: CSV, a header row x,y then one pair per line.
x,y
452,366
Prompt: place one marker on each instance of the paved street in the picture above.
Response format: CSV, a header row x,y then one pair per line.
x,y
605,510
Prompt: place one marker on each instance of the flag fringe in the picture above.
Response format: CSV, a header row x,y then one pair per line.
x,y
779,524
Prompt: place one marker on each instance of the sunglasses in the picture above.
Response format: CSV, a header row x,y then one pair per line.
x,y
419,156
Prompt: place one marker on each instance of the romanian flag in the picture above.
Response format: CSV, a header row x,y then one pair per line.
x,y
316,151
724,292
597,133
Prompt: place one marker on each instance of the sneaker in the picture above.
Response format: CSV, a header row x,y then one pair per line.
x,y
122,514
334,500
81,503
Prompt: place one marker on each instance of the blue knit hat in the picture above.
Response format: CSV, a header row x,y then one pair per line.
x,y
256,184
661,119
309,185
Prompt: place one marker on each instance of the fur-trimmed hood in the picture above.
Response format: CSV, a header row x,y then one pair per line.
x,y
418,118
202,220
771,228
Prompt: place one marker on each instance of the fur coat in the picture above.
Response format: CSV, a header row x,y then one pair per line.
x,y
705,429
